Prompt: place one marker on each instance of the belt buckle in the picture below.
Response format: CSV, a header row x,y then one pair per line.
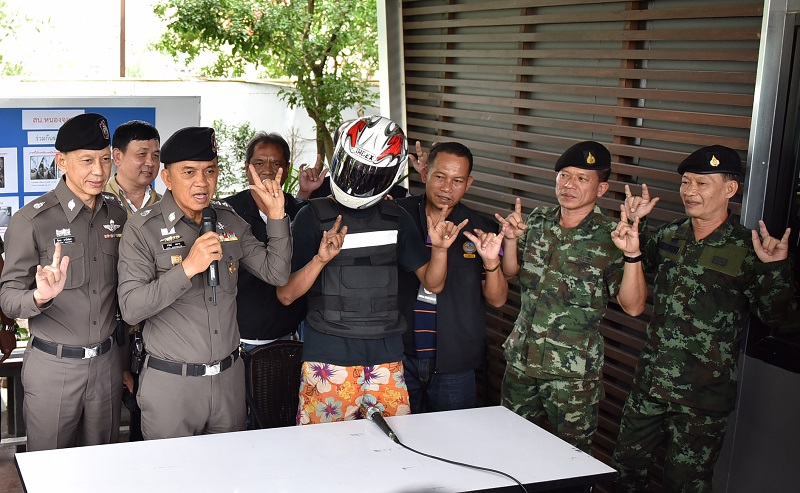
x,y
212,369
90,352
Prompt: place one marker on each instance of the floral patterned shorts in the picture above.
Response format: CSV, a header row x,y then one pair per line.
x,y
335,393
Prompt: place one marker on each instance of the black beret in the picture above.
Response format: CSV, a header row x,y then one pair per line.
x,y
712,159
189,144
585,155
85,131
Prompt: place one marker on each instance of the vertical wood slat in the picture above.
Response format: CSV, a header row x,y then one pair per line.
x,y
518,81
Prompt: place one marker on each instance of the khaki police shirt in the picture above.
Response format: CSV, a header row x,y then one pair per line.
x,y
83,313
182,322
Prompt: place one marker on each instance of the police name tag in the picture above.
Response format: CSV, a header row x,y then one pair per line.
x,y
64,240
426,296
173,245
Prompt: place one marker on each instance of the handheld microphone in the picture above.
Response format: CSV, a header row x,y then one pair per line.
x,y
209,223
374,415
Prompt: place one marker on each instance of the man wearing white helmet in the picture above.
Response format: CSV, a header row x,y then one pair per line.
x,y
346,252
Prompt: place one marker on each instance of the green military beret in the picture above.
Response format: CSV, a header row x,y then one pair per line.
x,y
85,131
712,159
585,155
189,144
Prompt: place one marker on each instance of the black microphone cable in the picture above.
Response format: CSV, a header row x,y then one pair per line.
x,y
374,415
462,464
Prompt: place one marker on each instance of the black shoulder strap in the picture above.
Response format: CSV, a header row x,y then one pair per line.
x,y
389,208
325,209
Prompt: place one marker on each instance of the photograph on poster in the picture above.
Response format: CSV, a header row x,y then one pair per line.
x,y
5,216
8,170
8,206
42,173
44,168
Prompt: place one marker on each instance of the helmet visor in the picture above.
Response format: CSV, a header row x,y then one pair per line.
x,y
359,179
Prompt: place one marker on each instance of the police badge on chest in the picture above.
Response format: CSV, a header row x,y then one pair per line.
x,y
426,296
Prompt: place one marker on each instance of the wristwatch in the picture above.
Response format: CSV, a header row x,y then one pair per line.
x,y
633,260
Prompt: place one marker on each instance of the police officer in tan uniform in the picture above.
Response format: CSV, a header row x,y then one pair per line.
x,y
192,380
60,274
135,148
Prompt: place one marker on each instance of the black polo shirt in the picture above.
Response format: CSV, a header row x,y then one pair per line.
x,y
259,313
460,307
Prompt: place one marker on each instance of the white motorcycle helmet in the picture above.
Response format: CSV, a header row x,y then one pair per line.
x,y
369,158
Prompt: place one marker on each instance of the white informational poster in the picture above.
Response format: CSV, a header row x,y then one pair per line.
x,y
29,127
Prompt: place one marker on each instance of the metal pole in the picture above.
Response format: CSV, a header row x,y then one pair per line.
x,y
122,38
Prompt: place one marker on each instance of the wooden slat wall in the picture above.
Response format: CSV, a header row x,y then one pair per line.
x,y
520,81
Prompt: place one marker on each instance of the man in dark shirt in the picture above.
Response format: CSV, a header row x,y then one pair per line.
x,y
262,318
445,342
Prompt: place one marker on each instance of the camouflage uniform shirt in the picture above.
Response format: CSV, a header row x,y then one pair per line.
x,y
703,292
567,277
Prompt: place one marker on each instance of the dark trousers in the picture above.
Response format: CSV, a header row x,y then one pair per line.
x,y
430,391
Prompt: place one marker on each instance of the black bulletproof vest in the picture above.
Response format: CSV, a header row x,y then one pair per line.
x,y
355,295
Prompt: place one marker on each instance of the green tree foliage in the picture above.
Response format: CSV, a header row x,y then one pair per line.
x,y
327,47
231,154
231,148
7,26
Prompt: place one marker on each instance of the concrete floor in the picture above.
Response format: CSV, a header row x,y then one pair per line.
x,y
9,479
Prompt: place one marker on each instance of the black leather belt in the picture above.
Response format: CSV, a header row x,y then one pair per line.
x,y
74,352
192,369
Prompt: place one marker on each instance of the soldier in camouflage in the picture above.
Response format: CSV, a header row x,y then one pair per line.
x,y
710,272
572,264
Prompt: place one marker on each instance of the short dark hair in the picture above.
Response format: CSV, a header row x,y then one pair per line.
x,y
133,130
454,148
730,177
603,174
273,138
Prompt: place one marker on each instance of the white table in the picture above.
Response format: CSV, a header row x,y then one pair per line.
x,y
337,457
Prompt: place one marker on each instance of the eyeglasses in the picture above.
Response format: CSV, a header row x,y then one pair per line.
x,y
272,162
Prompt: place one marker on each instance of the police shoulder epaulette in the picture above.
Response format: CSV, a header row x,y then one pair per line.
x,y
39,205
221,204
113,199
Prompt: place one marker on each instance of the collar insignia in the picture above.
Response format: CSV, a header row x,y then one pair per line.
x,y
71,204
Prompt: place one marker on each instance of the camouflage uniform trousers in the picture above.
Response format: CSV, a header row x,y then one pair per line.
x,y
694,441
566,407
